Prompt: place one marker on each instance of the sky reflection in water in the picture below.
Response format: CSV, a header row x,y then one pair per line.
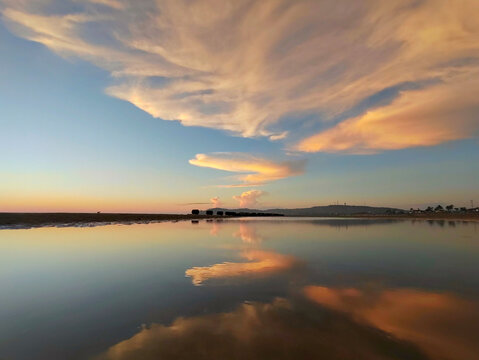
x,y
282,288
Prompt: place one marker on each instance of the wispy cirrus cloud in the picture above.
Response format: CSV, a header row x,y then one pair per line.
x,y
424,117
244,66
257,171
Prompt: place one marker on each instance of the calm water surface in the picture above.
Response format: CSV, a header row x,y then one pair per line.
x,y
242,289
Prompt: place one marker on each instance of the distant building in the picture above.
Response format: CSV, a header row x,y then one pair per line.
x,y
195,212
219,212
209,212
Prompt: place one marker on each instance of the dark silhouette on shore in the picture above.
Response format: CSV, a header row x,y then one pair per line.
x,y
28,220
330,210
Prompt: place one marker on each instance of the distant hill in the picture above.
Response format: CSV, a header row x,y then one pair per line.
x,y
329,210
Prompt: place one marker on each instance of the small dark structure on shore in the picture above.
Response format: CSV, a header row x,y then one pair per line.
x,y
219,213
209,212
195,212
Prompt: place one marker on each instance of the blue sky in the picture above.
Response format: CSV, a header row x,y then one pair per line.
x,y
76,136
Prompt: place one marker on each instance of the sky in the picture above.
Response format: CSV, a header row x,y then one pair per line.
x,y
164,106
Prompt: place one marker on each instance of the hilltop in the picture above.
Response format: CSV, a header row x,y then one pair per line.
x,y
329,210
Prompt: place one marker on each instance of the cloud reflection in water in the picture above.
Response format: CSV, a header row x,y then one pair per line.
x,y
277,330
350,323
248,234
443,325
259,262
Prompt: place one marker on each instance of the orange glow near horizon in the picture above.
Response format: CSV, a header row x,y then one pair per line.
x,y
69,203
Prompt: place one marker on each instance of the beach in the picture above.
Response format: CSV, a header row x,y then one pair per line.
x,y
30,220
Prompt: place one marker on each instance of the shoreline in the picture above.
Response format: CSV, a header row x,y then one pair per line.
x,y
10,221
433,216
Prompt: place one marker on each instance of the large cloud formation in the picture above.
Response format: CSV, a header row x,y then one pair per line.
x,y
245,66
257,171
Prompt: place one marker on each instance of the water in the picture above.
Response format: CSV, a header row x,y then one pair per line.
x,y
242,289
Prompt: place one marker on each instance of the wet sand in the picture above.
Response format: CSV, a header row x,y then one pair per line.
x,y
28,220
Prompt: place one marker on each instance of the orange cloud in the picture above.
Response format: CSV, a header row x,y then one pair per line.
x,y
248,198
260,262
258,171
416,118
182,61
441,324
